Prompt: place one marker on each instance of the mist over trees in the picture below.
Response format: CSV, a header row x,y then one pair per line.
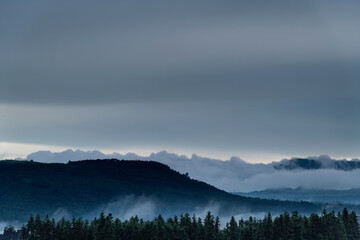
x,y
327,226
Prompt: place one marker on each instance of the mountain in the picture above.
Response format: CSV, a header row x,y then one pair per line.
x,y
83,188
350,196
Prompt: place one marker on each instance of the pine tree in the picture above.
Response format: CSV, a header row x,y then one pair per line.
x,y
296,225
217,228
232,229
194,228
328,226
209,226
267,227
278,228
315,227
305,228
353,227
185,224
38,230
47,229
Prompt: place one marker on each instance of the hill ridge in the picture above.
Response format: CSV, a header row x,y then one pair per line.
x,y
82,186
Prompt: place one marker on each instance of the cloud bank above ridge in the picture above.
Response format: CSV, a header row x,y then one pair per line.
x,y
233,175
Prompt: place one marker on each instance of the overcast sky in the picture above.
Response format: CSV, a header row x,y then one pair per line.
x,y
256,79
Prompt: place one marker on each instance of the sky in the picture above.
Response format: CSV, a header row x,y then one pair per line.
x,y
261,80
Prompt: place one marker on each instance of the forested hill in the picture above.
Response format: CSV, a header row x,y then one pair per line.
x,y
80,187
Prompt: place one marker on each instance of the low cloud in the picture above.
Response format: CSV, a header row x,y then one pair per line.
x,y
312,179
130,206
147,208
61,213
15,224
233,175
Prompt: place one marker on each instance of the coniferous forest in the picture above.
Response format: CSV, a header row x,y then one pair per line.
x,y
327,226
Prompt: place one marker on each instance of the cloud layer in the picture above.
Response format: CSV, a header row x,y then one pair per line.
x,y
93,52
234,76
234,175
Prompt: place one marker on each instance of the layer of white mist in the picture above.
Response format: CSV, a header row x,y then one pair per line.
x,y
315,179
233,175
147,208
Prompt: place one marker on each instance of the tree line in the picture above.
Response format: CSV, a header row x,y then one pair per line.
x,y
286,226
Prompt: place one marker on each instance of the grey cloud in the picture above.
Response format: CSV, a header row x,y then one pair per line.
x,y
234,76
130,52
291,127
330,80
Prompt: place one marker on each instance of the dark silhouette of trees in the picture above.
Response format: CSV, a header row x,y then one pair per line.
x,y
328,226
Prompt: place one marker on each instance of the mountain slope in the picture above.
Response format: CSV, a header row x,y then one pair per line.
x,y
80,187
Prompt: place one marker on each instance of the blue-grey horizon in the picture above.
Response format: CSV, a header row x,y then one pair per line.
x,y
278,78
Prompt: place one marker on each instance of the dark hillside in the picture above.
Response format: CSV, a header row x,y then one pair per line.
x,y
80,187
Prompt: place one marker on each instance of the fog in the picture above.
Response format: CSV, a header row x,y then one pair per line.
x,y
130,206
314,179
15,224
147,208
